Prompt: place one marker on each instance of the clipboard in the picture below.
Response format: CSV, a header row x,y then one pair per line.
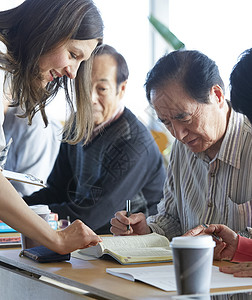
x,y
21,177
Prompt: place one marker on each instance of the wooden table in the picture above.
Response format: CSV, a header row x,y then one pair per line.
x,y
19,277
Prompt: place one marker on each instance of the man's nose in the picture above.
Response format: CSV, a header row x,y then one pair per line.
x,y
179,131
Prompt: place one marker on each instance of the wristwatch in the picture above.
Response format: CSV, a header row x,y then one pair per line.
x,y
244,233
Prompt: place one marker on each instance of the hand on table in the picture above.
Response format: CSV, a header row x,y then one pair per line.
x,y
137,222
239,270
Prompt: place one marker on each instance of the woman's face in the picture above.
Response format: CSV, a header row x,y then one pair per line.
x,y
65,59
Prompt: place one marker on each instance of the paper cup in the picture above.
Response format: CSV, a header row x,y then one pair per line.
x,y
43,211
192,259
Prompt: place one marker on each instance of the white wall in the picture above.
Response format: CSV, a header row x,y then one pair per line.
x,y
219,28
127,29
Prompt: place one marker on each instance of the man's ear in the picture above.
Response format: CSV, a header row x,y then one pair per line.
x,y
122,88
217,95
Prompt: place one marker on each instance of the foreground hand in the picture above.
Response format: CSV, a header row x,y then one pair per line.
x,y
137,222
226,248
76,236
239,270
201,230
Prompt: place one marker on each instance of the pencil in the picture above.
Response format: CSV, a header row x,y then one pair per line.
x,y
128,211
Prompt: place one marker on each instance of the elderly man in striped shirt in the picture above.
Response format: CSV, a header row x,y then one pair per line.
x,y
210,169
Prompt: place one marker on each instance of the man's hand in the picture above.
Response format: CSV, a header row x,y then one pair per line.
x,y
225,249
137,222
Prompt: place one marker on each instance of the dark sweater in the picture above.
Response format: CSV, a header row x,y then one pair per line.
x,y
92,182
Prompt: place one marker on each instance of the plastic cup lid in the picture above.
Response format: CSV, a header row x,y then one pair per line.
x,y
40,209
204,241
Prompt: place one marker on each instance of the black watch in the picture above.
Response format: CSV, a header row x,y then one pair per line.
x,y
244,233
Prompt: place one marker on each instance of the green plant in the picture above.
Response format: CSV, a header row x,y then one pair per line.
x,y
165,32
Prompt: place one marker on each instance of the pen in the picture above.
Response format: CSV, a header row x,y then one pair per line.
x,y
213,234
128,209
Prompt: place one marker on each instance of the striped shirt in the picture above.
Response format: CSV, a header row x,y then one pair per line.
x,y
199,191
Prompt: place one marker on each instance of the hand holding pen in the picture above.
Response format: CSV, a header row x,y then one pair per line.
x,y
120,223
212,233
227,241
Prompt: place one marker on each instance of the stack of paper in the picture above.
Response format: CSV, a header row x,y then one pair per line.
x,y
163,277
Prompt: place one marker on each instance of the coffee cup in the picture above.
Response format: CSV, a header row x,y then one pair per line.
x,y
43,211
192,259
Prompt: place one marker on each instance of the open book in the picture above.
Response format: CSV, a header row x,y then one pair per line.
x,y
130,249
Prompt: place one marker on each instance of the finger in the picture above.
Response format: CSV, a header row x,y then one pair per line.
x,y
245,266
211,229
118,226
79,226
89,231
116,231
247,273
218,250
121,217
199,230
236,268
91,240
228,270
219,246
137,218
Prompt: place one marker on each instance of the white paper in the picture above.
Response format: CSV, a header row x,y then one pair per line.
x,y
163,277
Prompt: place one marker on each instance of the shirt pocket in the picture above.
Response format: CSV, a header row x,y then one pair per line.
x,y
238,216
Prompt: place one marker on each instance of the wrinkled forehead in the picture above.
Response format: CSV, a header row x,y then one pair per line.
x,y
170,100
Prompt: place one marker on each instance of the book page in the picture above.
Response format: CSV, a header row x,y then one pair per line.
x,y
143,252
130,249
152,254
122,243
94,251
